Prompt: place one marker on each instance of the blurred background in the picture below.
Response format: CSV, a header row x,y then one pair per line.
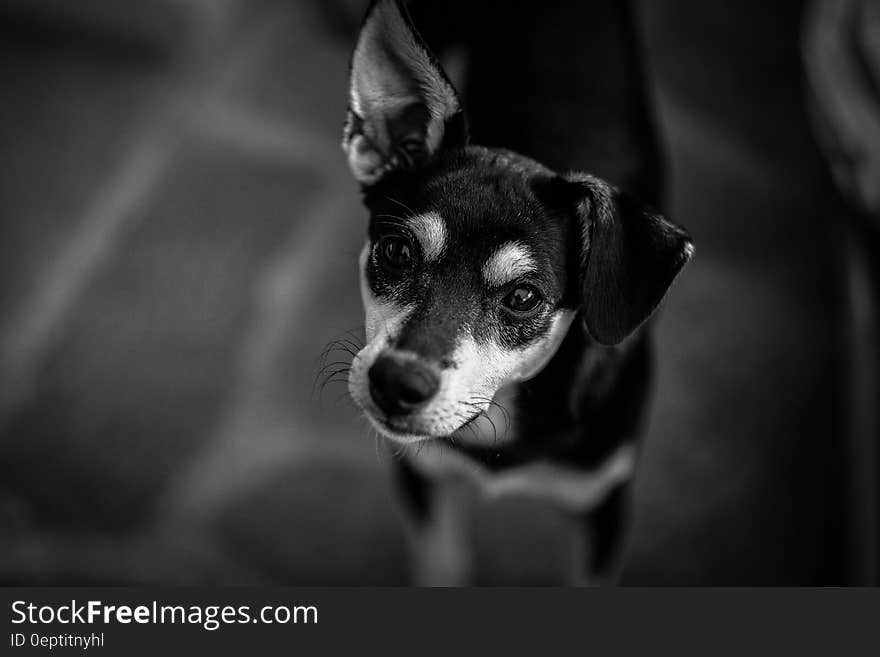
x,y
178,241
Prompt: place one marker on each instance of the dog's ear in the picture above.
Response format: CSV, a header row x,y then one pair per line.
x,y
628,257
402,107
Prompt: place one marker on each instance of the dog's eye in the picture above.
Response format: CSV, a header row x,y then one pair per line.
x,y
523,299
395,252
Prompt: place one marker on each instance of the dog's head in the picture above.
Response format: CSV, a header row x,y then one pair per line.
x,y
477,260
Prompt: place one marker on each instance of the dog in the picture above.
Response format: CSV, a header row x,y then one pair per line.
x,y
507,310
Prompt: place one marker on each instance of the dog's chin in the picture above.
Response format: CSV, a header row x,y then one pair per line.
x,y
399,433
406,434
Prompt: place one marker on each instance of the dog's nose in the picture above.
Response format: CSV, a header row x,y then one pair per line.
x,y
400,386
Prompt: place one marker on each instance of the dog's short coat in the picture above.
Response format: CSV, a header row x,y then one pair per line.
x,y
505,309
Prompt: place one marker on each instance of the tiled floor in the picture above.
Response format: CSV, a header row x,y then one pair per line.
x,y
179,241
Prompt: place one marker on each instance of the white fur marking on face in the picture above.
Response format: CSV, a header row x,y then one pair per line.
x,y
430,230
508,263
382,325
383,319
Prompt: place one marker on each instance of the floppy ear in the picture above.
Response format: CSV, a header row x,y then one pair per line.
x,y
402,107
629,256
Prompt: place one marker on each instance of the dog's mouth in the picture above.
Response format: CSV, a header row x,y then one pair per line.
x,y
397,431
402,429
405,432
470,421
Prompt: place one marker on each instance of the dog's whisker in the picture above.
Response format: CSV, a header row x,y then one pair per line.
x,y
335,363
344,397
332,378
331,382
401,449
491,403
411,212
389,216
350,342
327,372
479,403
494,428
335,371
355,335
323,364
339,347
376,440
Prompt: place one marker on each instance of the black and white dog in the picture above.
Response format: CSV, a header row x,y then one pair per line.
x,y
505,310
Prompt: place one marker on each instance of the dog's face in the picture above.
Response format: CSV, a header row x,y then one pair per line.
x,y
476,260
466,289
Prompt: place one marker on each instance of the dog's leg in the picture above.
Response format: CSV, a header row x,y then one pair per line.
x,y
443,553
599,541
437,522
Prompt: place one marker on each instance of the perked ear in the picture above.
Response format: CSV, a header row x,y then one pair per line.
x,y
402,107
629,258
